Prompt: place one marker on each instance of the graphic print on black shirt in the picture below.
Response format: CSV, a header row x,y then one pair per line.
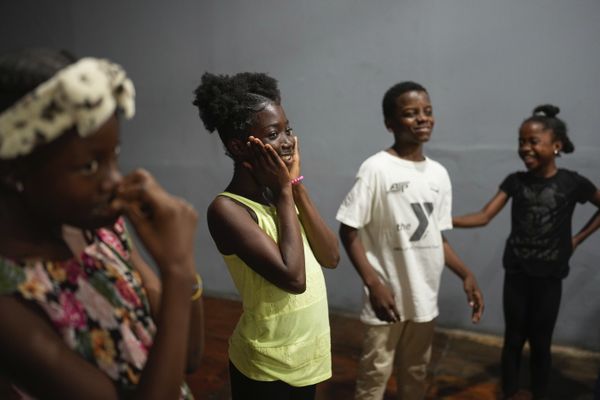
x,y
540,240
534,239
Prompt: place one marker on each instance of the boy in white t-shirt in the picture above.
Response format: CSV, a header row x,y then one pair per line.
x,y
391,226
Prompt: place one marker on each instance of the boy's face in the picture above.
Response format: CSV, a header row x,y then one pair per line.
x,y
413,118
76,179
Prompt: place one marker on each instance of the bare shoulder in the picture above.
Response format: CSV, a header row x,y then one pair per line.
x,y
228,221
223,209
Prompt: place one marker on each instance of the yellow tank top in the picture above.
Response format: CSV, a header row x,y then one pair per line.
x,y
280,335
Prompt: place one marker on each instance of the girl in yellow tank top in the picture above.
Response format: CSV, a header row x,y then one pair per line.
x,y
273,241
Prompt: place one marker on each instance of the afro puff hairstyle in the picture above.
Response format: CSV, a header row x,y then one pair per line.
x,y
228,104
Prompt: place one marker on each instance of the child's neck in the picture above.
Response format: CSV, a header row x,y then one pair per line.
x,y
410,152
24,237
546,171
243,183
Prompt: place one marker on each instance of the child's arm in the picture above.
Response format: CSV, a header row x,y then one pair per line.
x,y
474,295
591,226
152,285
235,231
485,215
381,297
322,240
28,342
166,226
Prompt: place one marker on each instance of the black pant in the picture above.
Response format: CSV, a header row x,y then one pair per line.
x,y
597,388
530,310
244,388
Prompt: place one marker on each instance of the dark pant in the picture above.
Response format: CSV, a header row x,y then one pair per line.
x,y
597,388
530,310
244,388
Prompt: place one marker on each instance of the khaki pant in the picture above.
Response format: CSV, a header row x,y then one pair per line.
x,y
407,343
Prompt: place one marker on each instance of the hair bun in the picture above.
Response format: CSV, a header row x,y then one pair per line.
x,y
546,110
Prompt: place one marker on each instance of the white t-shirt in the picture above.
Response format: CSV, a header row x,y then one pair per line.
x,y
400,208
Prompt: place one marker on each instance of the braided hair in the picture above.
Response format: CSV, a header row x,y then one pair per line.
x,y
546,115
228,104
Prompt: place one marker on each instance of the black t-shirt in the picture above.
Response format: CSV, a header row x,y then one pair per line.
x,y
542,208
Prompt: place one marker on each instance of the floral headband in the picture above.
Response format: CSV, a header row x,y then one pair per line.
x,y
82,95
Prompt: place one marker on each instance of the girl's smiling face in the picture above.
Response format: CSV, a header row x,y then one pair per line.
x,y
272,127
537,146
74,179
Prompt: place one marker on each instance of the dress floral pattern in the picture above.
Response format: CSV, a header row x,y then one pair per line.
x,y
96,302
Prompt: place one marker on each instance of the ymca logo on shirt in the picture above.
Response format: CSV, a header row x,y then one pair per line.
x,y
422,211
398,187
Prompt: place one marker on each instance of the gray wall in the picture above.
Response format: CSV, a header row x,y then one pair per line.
x,y
486,64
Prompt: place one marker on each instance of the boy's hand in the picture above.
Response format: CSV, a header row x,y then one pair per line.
x,y
383,303
474,297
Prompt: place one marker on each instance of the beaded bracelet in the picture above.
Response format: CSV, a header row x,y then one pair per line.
x,y
197,288
297,180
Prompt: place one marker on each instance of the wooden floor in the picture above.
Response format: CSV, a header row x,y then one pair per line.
x,y
463,366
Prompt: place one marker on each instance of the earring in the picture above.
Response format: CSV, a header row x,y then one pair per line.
x,y
555,152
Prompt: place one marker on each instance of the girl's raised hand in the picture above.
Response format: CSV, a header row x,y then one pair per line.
x,y
165,224
295,169
266,166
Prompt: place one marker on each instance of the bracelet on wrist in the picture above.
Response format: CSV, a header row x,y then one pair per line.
x,y
197,288
297,180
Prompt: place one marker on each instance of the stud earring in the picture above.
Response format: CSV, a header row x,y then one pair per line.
x,y
555,152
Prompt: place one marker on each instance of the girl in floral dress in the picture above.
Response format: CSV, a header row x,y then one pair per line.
x,y
83,316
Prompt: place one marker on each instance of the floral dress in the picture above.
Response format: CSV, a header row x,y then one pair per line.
x,y
95,301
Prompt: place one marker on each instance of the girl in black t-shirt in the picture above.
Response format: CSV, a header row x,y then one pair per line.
x,y
537,252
